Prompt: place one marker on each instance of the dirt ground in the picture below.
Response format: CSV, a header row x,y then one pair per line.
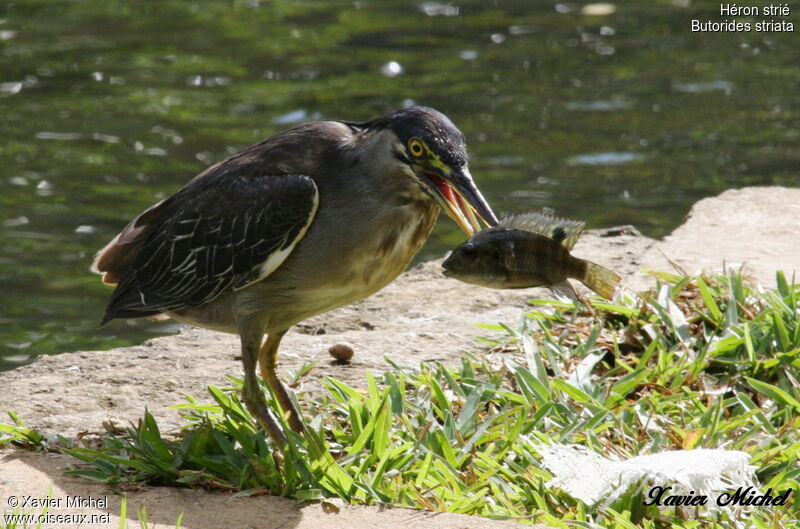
x,y
422,316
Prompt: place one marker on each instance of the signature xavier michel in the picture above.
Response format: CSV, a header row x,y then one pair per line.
x,y
744,496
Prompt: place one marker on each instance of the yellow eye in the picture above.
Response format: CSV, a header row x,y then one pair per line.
x,y
415,147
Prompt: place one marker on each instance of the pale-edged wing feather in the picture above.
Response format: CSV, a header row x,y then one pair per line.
x,y
218,234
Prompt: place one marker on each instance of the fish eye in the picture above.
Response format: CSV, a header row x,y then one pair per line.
x,y
469,251
415,147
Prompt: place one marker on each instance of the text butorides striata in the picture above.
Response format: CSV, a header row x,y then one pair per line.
x,y
311,219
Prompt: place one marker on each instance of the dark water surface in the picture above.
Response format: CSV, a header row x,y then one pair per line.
x,y
106,107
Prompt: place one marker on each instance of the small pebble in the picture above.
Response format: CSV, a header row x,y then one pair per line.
x,y
341,351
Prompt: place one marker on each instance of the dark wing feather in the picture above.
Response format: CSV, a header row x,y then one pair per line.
x,y
217,234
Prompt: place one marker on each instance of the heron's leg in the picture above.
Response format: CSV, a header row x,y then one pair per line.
x,y
267,362
251,394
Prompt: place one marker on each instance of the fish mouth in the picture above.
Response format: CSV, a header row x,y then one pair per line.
x,y
447,264
461,200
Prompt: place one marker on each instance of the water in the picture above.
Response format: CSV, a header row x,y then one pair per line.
x,y
106,107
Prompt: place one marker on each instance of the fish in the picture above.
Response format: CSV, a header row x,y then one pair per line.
x,y
529,250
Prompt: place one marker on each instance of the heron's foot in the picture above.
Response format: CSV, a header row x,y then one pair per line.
x,y
287,405
295,420
267,362
257,406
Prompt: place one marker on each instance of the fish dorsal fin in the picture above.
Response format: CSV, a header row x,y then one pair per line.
x,y
544,222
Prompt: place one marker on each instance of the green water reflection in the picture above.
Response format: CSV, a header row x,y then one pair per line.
x,y
105,107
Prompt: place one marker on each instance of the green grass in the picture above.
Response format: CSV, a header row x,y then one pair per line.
x,y
698,362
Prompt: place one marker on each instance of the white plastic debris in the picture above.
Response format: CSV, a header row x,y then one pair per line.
x,y
594,479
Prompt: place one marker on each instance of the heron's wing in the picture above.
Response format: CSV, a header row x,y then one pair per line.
x,y
220,233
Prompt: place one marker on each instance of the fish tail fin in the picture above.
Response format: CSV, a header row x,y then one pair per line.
x,y
600,279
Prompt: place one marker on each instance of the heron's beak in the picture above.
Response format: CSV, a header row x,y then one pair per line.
x,y
462,200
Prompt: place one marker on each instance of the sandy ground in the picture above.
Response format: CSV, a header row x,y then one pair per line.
x,y
422,316
33,475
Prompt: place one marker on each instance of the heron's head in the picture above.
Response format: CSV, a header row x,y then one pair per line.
x,y
433,152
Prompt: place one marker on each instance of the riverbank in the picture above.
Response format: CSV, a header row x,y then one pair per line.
x,y
420,317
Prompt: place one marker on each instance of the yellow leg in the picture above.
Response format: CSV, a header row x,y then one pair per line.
x,y
267,362
252,395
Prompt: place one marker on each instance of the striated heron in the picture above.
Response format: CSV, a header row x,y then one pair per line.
x,y
308,220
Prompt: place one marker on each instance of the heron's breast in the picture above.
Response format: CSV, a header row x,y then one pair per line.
x,y
367,261
331,268
396,243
